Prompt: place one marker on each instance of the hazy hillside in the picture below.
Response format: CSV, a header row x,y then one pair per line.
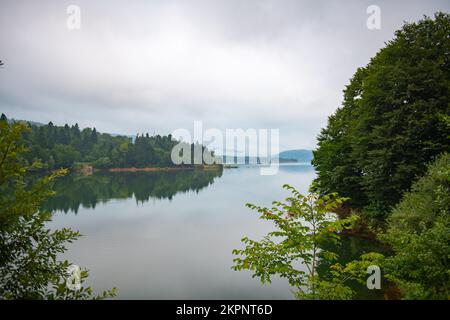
x,y
299,155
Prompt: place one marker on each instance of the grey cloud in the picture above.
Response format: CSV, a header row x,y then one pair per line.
x,y
154,66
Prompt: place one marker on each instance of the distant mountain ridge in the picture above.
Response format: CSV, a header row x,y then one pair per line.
x,y
301,155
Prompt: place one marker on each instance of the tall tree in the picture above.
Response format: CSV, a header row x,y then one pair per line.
x,y
392,122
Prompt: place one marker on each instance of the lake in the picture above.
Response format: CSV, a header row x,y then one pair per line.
x,y
169,235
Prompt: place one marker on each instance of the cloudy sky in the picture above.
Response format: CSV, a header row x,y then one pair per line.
x,y
155,66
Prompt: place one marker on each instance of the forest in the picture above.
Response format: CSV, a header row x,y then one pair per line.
x,y
69,146
387,150
394,121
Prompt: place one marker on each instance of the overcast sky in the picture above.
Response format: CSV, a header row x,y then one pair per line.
x,y
155,66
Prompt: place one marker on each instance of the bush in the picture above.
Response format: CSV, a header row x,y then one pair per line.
x,y
419,234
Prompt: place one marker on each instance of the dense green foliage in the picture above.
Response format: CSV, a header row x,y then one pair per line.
x,y
393,121
305,228
419,234
353,248
66,146
29,266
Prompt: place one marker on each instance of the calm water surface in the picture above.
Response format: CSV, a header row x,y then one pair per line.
x,y
170,235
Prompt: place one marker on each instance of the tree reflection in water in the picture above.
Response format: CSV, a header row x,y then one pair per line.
x,y
75,190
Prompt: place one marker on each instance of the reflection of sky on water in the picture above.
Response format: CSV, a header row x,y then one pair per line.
x,y
181,248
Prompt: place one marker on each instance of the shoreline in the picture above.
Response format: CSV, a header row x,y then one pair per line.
x,y
162,169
